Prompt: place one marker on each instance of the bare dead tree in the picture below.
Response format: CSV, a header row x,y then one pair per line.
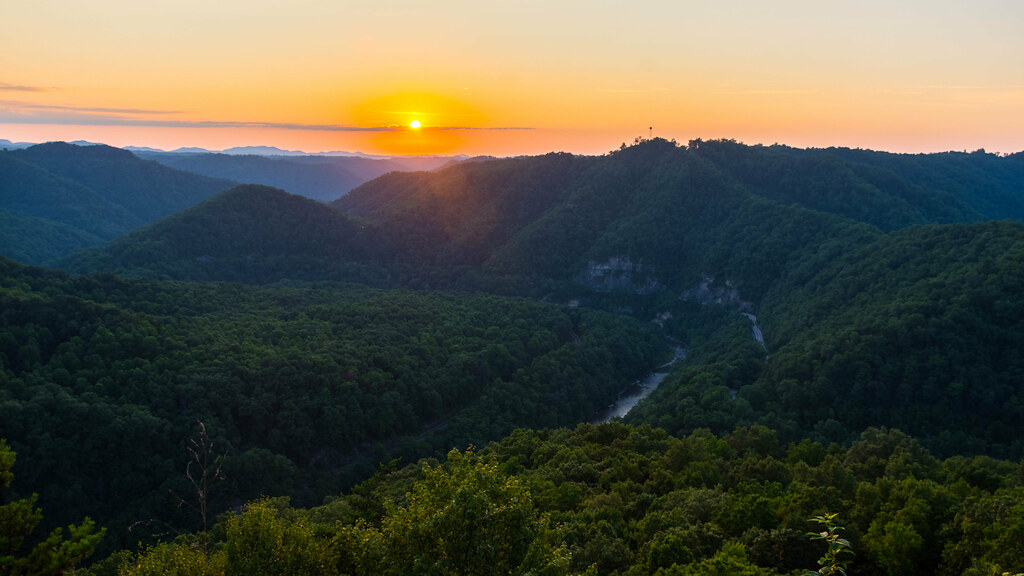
x,y
203,470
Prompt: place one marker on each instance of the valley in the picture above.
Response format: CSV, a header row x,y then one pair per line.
x,y
807,327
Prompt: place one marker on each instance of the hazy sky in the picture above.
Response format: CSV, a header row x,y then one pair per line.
x,y
513,77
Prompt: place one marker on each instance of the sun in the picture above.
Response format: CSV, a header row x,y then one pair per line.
x,y
414,124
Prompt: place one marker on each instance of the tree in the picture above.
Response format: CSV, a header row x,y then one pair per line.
x,y
207,472
468,518
19,518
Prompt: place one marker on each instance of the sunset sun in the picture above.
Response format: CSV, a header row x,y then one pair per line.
x,y
414,124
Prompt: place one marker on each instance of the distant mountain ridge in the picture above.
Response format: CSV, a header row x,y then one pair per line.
x,y
57,198
8,145
323,178
275,151
665,214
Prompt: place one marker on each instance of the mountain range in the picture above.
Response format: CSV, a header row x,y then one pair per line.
x,y
57,198
639,229
819,299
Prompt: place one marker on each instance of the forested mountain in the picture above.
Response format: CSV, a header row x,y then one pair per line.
x,y
323,178
250,233
907,329
46,215
887,190
666,206
147,189
885,295
921,329
989,184
655,215
57,198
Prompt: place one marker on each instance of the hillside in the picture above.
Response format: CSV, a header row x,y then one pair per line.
x,y
47,215
658,209
919,329
647,218
147,189
58,198
323,178
250,233
852,342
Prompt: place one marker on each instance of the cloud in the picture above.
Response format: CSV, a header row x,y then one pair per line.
x,y
472,128
639,90
764,92
27,113
17,88
29,106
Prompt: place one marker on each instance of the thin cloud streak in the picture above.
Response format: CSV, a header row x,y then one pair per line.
x,y
452,128
108,117
29,106
18,88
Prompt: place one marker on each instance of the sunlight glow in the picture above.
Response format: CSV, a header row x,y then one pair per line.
x,y
414,124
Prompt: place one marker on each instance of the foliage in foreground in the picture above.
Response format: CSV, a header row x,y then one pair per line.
x,y
20,553
466,518
634,501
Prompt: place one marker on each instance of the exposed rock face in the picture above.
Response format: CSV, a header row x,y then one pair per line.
x,y
619,273
707,292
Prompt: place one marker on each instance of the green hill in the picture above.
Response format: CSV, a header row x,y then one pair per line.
x,y
919,329
250,233
323,178
59,198
147,189
47,215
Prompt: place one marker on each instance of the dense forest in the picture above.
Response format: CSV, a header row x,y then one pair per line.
x,y
864,328
424,311
107,377
622,500
921,330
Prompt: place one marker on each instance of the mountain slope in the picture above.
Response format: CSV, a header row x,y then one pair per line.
x,y
323,182
906,329
48,215
652,215
250,233
146,189
58,198
323,178
989,184
30,239
871,189
460,215
645,218
920,329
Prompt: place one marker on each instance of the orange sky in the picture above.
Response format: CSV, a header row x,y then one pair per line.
x,y
513,77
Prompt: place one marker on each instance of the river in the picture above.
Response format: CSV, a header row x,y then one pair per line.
x,y
637,391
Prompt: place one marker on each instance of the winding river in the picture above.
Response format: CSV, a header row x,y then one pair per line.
x,y
639,390
642,388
